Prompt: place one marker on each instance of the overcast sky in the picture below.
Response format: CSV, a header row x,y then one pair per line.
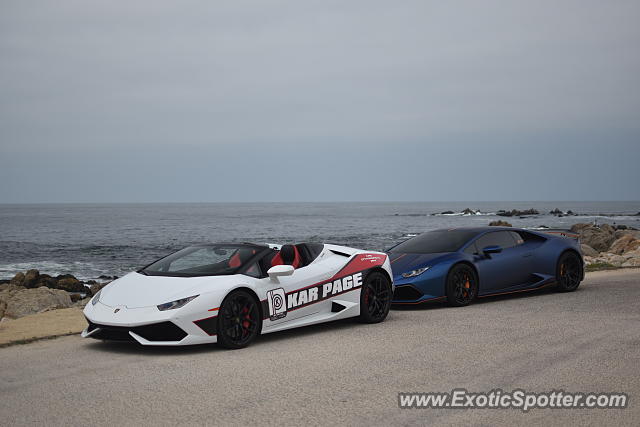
x,y
107,101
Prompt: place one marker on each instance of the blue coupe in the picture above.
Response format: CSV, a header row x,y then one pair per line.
x,y
460,264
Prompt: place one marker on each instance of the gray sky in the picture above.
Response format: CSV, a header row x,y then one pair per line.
x,y
319,100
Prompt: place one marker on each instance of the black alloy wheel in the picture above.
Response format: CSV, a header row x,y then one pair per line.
x,y
239,320
462,285
568,272
375,298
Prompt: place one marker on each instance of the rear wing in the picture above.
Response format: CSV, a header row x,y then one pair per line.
x,y
558,232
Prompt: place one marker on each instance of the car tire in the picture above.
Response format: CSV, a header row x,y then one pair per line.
x,y
239,320
461,285
375,298
568,272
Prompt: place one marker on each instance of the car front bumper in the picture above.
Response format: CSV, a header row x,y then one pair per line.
x,y
147,326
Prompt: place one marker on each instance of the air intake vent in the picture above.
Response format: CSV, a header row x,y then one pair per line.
x,y
406,293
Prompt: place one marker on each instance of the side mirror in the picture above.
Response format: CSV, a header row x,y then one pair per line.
x,y
488,250
280,270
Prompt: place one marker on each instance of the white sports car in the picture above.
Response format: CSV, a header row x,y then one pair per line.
x,y
231,292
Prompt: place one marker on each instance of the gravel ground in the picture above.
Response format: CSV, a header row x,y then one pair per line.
x,y
347,373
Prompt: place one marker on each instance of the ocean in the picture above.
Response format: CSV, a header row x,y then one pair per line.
x,y
93,240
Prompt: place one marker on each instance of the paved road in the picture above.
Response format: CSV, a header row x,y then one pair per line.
x,y
347,373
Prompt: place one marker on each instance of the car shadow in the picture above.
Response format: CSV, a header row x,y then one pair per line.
x,y
126,347
442,304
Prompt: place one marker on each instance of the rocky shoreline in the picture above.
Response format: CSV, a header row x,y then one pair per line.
x,y
526,213
31,293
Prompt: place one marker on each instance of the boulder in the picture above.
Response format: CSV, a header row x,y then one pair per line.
x,y
633,262
46,280
468,211
18,279
500,223
576,228
599,238
21,303
608,228
626,243
588,251
614,259
31,278
71,284
11,287
626,232
441,213
95,288
516,212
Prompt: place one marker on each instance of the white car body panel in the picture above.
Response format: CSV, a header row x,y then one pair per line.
x,y
131,301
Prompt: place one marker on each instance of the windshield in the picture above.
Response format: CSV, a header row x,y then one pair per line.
x,y
209,260
435,241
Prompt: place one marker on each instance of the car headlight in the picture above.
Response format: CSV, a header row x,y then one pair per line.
x,y
175,304
416,272
96,298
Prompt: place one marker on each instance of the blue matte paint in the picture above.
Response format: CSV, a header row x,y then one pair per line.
x,y
523,267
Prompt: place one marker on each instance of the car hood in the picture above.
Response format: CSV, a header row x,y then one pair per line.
x,y
403,262
136,290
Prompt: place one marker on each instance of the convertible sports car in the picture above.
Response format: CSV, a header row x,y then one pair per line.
x,y
231,292
460,264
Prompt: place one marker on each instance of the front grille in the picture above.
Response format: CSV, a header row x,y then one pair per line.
x,y
406,293
165,331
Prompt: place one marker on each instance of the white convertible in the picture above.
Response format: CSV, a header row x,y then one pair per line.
x,y
231,292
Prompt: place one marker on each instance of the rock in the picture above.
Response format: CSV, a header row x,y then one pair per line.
x,y
21,303
3,307
81,303
556,211
11,287
632,254
576,228
31,278
441,213
18,279
500,223
468,211
46,280
633,262
614,259
588,251
608,228
95,288
629,232
75,297
71,284
626,243
516,212
599,238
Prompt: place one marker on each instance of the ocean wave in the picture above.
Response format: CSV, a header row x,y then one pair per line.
x,y
82,270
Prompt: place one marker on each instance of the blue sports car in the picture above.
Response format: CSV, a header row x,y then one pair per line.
x,y
460,264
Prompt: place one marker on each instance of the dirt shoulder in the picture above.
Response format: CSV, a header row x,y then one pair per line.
x,y
49,324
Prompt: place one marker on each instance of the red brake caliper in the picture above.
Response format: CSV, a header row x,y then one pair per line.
x,y
246,322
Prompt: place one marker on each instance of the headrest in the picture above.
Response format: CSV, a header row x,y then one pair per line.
x,y
288,254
